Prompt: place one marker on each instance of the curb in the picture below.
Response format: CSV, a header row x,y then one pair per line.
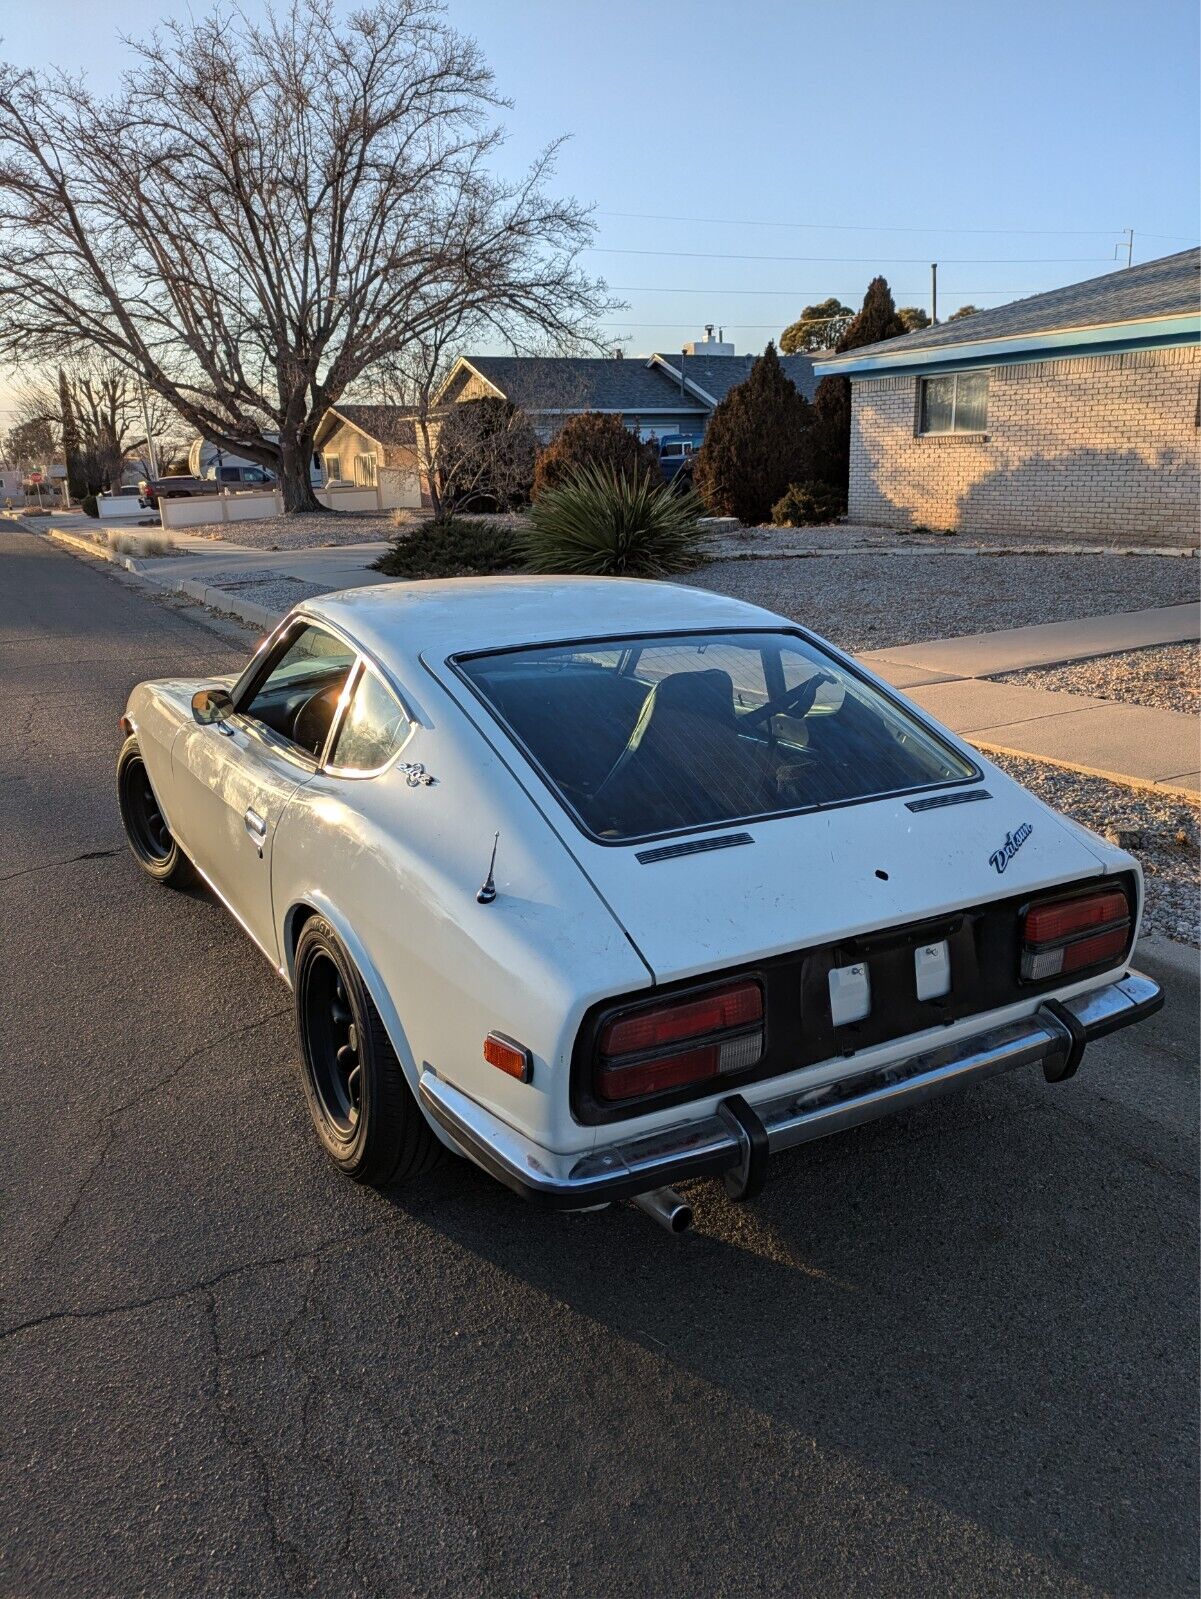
x,y
256,616
1146,784
798,553
1179,958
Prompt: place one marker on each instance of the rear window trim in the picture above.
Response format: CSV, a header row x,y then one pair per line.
x,y
726,823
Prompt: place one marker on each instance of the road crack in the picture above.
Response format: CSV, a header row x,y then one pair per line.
x,y
186,1290
69,860
109,1122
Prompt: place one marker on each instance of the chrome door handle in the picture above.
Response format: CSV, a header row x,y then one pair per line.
x,y
256,826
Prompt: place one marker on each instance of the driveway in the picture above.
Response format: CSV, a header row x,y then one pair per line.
x,y
950,1353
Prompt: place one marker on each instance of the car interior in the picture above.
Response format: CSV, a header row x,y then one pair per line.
x,y
298,696
301,710
689,749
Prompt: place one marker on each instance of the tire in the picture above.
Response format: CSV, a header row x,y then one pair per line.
x,y
368,1122
153,847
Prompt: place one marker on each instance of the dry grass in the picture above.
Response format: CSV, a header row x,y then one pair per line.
x,y
142,546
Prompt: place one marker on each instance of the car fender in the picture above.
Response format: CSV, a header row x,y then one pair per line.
x,y
320,903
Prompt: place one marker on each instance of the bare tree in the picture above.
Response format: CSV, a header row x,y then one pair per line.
x,y
109,422
457,452
32,443
264,211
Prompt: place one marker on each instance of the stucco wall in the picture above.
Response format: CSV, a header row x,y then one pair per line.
x,y
1095,445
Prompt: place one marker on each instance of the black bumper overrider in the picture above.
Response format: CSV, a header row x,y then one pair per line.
x,y
736,1140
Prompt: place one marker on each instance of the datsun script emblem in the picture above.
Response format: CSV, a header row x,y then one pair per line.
x,y
1000,858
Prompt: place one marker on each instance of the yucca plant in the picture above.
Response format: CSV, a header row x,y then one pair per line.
x,y
601,523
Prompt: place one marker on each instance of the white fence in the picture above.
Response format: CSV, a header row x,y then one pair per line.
x,y
397,489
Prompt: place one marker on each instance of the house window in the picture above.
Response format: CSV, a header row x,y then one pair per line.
x,y
333,468
364,471
957,402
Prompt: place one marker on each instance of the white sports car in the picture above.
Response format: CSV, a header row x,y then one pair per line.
x,y
608,884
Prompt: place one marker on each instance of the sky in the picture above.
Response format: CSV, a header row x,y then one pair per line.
x,y
745,160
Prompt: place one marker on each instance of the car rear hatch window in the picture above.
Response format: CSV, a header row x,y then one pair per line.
x,y
658,734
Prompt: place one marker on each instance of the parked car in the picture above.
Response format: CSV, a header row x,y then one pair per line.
x,y
151,491
676,452
608,884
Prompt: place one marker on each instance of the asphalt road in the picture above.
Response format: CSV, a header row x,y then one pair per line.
x,y
949,1354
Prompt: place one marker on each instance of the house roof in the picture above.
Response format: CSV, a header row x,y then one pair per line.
x,y
577,383
1160,293
713,376
382,424
631,386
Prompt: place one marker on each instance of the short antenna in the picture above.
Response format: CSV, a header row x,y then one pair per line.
x,y
487,890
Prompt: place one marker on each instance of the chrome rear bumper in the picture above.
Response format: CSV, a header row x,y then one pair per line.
x,y
737,1139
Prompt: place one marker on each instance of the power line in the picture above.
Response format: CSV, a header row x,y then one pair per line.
x,y
870,260
868,227
657,288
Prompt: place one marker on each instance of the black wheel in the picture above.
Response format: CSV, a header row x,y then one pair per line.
x,y
365,1116
149,837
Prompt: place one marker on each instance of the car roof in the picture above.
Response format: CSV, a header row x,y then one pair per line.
x,y
397,622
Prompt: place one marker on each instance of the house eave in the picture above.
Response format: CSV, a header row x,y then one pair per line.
x,y
1101,337
321,432
694,388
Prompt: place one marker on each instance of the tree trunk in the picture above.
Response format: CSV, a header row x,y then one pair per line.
x,y
295,478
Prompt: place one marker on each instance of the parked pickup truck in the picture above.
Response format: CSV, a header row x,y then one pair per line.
x,y
152,490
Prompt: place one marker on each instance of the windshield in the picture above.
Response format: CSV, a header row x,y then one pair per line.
x,y
653,735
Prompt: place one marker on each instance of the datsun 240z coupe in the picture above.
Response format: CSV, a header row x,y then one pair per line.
x,y
608,884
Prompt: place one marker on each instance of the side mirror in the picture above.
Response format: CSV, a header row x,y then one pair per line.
x,y
211,705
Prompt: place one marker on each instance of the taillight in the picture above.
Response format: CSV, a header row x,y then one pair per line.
x,y
652,1048
1070,935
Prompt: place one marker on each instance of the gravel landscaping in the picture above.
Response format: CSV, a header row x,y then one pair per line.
x,y
764,542
305,530
1166,676
1162,830
866,602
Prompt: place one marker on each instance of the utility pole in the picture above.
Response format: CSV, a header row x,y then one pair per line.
x,y
1127,244
150,451
934,291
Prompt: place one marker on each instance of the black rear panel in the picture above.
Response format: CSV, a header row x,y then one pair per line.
x,y
984,948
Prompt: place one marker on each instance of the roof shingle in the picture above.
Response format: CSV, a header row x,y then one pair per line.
x,y
1167,287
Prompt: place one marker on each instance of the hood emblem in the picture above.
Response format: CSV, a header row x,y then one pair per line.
x,y
1000,858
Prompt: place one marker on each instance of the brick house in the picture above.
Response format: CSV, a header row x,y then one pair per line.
x,y
1071,412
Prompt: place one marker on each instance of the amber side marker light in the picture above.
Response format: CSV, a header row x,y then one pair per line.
x,y
511,1058
1070,935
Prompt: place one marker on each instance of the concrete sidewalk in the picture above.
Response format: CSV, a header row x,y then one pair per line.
x,y
949,679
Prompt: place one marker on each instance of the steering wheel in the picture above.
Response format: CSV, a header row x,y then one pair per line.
x,y
312,722
798,700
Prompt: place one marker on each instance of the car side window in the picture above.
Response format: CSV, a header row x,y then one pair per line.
x,y
298,697
373,728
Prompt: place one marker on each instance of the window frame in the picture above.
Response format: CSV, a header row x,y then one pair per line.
x,y
333,462
372,481
362,668
844,662
952,431
258,669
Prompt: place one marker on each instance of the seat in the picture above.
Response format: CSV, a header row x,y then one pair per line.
x,y
685,763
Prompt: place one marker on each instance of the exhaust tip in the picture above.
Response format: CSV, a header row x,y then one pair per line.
x,y
665,1206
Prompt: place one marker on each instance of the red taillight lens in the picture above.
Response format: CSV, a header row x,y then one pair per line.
x,y
1070,935
722,1028
1065,918
736,1005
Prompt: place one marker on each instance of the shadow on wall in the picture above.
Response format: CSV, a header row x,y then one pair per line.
x,y
1089,492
